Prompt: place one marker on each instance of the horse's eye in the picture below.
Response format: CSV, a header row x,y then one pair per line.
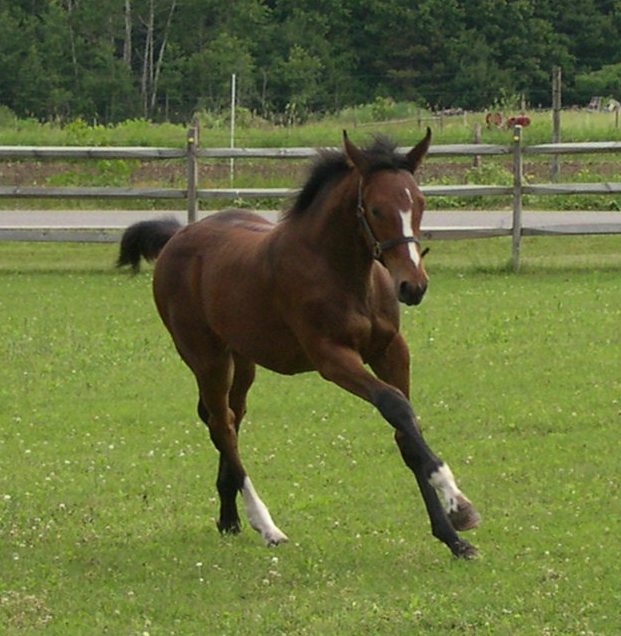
x,y
376,213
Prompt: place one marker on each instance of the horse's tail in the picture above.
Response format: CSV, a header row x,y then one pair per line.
x,y
145,239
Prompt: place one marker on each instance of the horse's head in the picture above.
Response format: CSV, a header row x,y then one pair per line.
x,y
390,209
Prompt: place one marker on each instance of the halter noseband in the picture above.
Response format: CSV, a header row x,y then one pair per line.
x,y
377,247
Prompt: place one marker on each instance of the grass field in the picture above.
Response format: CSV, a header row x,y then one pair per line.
x,y
107,493
399,120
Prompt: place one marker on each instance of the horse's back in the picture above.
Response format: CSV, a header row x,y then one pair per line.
x,y
211,238
208,233
238,218
220,244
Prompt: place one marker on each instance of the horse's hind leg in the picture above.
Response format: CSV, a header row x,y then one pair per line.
x,y
223,388
227,486
244,372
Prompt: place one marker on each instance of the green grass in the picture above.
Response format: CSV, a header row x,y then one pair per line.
x,y
400,121
106,477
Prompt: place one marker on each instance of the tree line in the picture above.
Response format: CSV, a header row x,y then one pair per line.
x,y
111,60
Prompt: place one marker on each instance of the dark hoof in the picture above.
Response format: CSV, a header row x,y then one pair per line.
x,y
464,550
465,517
229,527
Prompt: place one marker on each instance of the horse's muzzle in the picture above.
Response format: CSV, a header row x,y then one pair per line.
x,y
411,294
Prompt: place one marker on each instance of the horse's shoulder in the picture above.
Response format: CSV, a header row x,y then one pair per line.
x,y
382,296
381,281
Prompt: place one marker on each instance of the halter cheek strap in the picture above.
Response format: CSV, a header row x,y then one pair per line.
x,y
378,247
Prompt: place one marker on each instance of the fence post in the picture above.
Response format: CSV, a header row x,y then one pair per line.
x,y
192,170
476,139
517,198
555,168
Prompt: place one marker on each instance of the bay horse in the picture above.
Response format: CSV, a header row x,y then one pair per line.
x,y
317,291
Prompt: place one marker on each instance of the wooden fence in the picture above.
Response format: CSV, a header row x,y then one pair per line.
x,y
192,194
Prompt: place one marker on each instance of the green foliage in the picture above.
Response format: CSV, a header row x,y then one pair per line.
x,y
489,172
8,119
382,108
101,172
131,132
504,101
79,132
109,61
301,76
107,492
605,82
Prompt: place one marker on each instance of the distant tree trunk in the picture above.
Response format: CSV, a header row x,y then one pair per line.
x,y
74,57
160,57
147,63
264,94
127,43
150,67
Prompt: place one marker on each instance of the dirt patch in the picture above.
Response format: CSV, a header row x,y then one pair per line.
x,y
277,173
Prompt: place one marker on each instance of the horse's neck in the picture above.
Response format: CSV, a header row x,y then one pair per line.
x,y
338,238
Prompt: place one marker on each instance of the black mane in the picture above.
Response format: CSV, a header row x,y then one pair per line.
x,y
331,166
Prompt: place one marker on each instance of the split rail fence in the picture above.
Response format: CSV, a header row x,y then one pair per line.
x,y
192,193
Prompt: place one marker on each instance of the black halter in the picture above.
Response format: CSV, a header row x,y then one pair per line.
x,y
378,247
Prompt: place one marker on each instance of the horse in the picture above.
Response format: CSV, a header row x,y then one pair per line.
x,y
317,291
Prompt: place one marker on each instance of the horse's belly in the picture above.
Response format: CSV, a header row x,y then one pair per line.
x,y
285,366
270,345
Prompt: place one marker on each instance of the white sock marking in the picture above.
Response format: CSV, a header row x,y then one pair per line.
x,y
444,483
259,516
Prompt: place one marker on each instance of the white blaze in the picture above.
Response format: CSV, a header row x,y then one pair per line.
x,y
407,231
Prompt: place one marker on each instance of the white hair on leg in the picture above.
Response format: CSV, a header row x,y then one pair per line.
x,y
444,483
459,508
259,516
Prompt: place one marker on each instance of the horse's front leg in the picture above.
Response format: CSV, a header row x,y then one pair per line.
x,y
435,478
344,367
393,367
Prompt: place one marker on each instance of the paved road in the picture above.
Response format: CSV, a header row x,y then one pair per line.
x,y
432,218
436,223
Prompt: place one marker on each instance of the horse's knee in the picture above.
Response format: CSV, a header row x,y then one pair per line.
x,y
397,411
394,408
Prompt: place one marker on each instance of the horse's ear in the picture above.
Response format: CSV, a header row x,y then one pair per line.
x,y
355,156
415,156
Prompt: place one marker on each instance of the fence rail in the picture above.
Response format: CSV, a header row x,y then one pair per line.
x,y
192,154
95,152
103,192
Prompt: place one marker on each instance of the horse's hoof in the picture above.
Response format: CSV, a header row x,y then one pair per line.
x,y
275,537
464,517
464,550
229,527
